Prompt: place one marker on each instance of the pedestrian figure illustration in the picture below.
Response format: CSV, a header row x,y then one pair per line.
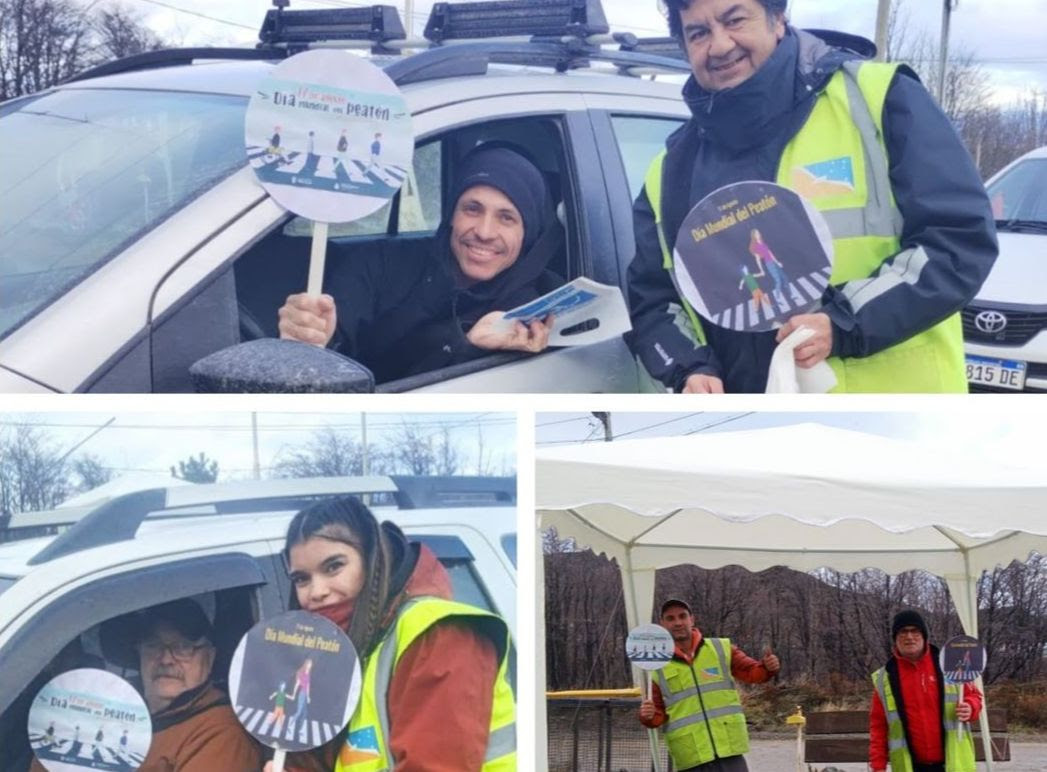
x,y
49,735
301,683
767,263
749,281
280,696
376,150
99,736
312,143
343,147
123,742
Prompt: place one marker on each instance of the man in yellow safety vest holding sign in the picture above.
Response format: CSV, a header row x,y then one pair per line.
x,y
862,142
694,699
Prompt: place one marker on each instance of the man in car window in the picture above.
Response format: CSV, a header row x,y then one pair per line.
x,y
433,304
194,727
864,143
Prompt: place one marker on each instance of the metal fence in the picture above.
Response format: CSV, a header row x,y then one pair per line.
x,y
598,734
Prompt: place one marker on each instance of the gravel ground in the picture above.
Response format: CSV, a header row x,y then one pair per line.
x,y
780,755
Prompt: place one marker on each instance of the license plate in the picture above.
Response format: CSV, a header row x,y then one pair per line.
x,y
1001,373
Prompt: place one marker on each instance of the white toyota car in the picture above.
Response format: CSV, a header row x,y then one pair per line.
x,y
1005,326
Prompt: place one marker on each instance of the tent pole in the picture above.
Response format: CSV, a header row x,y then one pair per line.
x,y
652,735
972,603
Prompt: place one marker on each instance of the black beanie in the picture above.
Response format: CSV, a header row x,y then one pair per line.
x,y
909,618
514,176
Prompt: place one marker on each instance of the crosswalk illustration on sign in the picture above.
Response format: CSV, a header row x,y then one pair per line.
x,y
776,304
330,173
82,753
309,734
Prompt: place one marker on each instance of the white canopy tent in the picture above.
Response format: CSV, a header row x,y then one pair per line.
x,y
804,496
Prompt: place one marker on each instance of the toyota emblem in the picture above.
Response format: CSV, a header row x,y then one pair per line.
x,y
990,322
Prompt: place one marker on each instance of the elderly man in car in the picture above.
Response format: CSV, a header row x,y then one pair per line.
x,y
194,727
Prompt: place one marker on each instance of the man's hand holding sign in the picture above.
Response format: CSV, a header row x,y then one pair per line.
x,y
324,103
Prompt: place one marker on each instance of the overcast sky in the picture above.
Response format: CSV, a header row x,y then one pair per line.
x,y
142,443
1006,35
999,436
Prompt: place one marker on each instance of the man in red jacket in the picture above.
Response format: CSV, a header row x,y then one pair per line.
x,y
914,679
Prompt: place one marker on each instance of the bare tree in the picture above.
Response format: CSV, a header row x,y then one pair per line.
x,y
44,42
412,450
33,473
329,453
121,32
448,457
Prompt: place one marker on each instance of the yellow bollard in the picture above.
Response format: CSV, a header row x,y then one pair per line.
x,y
798,720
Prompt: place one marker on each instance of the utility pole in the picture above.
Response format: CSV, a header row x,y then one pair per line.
x,y
605,419
883,12
254,445
943,58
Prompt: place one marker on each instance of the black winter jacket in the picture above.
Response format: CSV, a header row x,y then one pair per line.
x,y
402,310
739,135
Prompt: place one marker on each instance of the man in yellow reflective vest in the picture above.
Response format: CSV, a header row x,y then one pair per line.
x,y
694,699
865,144
916,722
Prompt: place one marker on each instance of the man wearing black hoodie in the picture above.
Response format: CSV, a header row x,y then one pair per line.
x,y
865,144
438,303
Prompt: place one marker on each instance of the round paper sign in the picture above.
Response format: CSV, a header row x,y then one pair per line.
x,y
962,659
649,647
329,136
89,719
294,681
750,255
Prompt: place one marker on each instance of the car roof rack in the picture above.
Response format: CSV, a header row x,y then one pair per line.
x,y
460,39
119,519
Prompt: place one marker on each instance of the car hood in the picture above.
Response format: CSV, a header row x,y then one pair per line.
x,y
1019,276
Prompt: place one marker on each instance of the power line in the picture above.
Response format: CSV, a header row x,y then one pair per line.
x,y
201,15
564,421
450,424
655,426
721,423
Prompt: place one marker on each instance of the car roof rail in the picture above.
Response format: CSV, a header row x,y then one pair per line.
x,y
172,57
297,30
662,46
422,492
118,519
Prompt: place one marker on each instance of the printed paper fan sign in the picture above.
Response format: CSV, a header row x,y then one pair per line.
x,y
89,719
294,681
329,136
649,647
750,255
962,659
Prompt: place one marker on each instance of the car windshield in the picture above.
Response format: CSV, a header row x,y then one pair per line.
x,y
1021,193
86,172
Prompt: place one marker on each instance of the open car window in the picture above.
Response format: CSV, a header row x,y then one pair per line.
x,y
277,265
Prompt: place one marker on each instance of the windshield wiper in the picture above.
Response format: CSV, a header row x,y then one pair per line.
x,y
1018,224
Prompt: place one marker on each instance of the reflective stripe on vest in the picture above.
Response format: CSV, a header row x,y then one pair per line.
x,y
845,129
366,748
959,744
705,715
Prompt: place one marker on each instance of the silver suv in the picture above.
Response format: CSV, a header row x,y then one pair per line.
x,y
220,544
135,240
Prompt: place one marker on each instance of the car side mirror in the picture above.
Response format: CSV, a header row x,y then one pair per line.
x,y
272,366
